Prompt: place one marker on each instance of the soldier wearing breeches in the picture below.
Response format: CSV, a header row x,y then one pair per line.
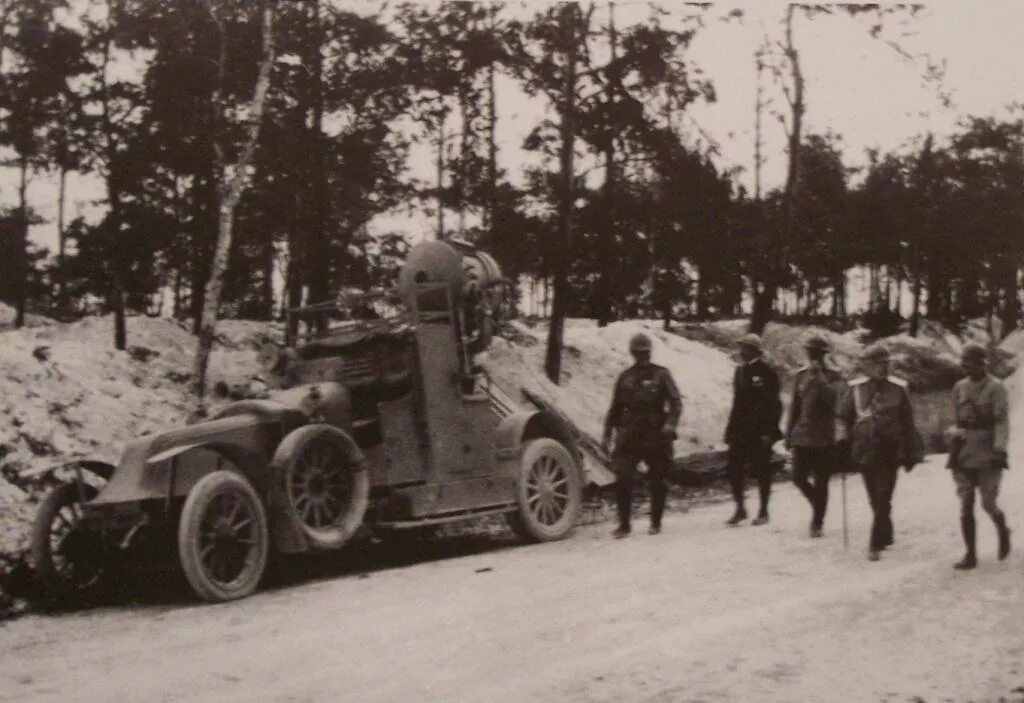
x,y
810,429
977,454
875,429
753,427
644,413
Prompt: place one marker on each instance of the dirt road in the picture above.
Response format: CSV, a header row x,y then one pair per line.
x,y
700,613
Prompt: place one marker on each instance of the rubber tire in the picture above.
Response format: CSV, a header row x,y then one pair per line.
x,y
284,461
199,498
523,521
42,557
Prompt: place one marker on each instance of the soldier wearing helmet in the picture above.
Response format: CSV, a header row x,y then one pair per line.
x,y
810,428
977,454
753,426
643,415
875,432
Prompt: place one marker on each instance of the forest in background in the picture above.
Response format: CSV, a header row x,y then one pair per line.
x,y
620,213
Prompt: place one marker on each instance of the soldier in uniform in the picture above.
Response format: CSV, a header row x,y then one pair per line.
x,y
753,426
978,449
875,431
810,430
644,413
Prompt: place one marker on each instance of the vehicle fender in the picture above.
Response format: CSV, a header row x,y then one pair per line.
x,y
286,531
518,428
100,469
242,460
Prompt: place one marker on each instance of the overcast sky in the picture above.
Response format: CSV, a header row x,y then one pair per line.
x,y
856,86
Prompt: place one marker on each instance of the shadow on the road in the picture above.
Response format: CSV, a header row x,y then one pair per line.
x,y
162,586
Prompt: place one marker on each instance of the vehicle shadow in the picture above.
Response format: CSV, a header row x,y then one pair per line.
x,y
164,586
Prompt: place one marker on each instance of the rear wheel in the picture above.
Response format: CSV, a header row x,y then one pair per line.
x,y
549,491
222,537
67,559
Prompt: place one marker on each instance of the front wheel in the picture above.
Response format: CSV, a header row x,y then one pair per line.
x,y
223,540
549,491
67,559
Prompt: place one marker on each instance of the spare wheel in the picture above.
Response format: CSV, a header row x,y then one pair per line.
x,y
324,482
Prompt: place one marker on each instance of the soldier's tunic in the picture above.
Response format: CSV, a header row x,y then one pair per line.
x,y
756,411
644,402
810,432
875,415
980,409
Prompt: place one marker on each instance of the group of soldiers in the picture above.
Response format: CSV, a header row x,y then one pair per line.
x,y
864,425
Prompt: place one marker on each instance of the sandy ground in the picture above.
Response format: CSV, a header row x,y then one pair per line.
x,y
700,613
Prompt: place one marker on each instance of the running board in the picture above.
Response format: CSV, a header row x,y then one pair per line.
x,y
441,519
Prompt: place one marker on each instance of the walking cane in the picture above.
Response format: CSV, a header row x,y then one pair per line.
x,y
846,538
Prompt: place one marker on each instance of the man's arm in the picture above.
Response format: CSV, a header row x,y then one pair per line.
x,y
845,413
794,409
611,419
909,431
675,402
731,424
773,401
1000,419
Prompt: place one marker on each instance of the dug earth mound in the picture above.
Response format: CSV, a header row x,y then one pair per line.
x,y
66,393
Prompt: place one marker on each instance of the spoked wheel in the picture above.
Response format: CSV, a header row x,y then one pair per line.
x,y
549,491
222,537
67,559
326,487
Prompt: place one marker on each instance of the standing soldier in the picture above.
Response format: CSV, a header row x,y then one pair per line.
x,y
810,430
753,426
644,413
875,430
978,449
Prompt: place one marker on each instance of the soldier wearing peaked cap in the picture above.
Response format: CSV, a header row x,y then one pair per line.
x,y
977,453
753,426
875,430
643,415
810,428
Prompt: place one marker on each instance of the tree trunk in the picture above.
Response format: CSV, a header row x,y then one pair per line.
x,y
120,315
790,196
176,313
464,152
1011,307
320,246
205,199
440,177
267,293
293,284
553,357
492,144
61,237
232,185
21,264
606,247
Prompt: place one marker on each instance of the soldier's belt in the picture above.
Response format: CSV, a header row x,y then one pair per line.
x,y
976,425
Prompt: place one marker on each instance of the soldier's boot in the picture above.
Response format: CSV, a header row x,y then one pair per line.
x,y
1004,535
762,513
739,516
624,501
815,530
657,510
970,560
